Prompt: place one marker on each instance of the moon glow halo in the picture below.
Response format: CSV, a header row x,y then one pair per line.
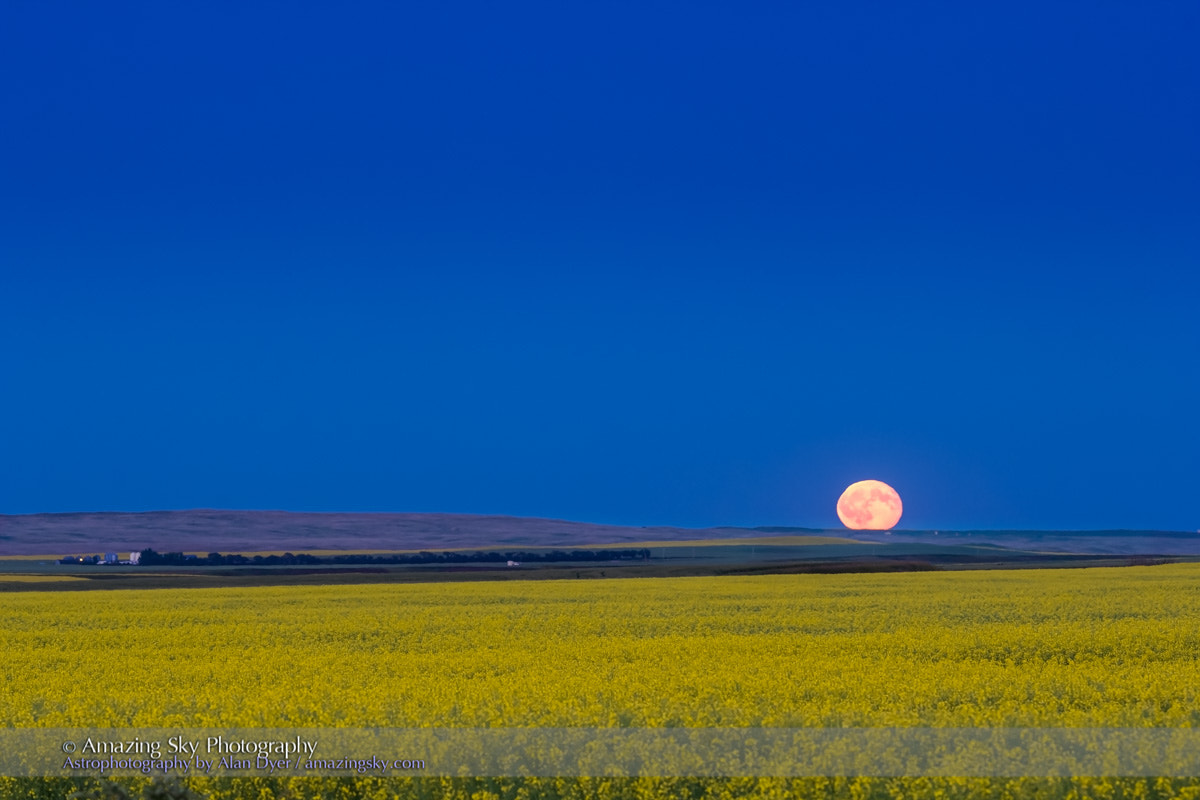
x,y
869,506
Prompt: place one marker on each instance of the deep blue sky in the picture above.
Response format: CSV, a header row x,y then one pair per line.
x,y
645,263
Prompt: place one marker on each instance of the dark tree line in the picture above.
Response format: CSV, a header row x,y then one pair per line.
x,y
153,558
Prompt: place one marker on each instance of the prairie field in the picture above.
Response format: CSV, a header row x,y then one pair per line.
x,y
1089,648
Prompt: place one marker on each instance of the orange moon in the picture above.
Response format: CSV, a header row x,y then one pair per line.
x,y
869,506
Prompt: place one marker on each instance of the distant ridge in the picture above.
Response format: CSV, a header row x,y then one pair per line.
x,y
1099,542
233,531
208,530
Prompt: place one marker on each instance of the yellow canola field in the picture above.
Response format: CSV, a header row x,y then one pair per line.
x,y
1037,648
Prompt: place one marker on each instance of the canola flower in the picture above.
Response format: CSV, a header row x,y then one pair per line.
x,y
1028,648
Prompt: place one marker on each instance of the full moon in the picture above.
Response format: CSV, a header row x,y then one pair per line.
x,y
869,506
